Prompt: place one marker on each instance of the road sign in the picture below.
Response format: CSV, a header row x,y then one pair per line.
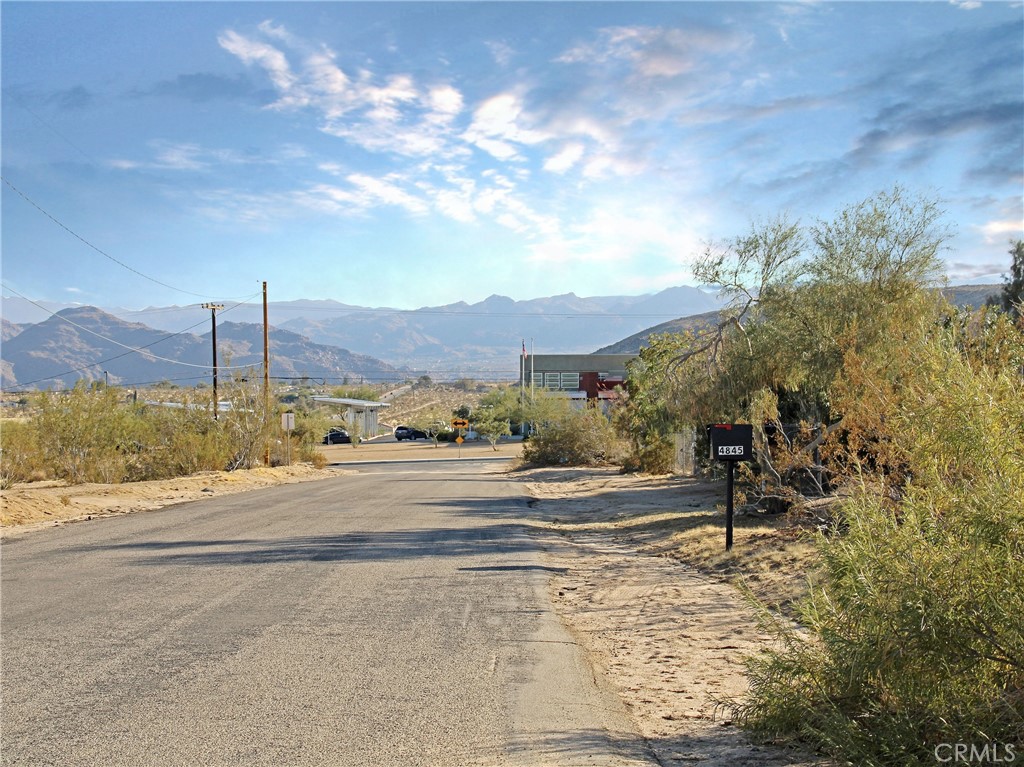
x,y
288,421
460,440
459,423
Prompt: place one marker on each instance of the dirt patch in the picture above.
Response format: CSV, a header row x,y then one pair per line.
x,y
29,506
670,633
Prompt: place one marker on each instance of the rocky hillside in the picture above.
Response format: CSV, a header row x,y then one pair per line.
x,y
88,343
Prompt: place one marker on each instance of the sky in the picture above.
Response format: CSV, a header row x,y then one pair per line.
x,y
417,154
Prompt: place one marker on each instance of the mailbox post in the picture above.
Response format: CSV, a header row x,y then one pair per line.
x,y
731,442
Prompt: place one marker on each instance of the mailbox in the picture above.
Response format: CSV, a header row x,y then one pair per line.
x,y
731,441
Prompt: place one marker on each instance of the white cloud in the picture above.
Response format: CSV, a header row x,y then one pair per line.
x,y
499,123
501,52
565,159
191,157
999,231
651,52
618,231
393,115
501,150
612,164
386,190
255,52
445,103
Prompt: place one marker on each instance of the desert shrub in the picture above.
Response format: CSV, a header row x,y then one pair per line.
x,y
20,457
356,392
657,455
916,636
246,426
573,438
308,453
88,435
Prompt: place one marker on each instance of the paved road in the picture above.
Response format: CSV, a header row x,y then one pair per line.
x,y
397,616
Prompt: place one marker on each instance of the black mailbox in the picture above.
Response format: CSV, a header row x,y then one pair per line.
x,y
731,441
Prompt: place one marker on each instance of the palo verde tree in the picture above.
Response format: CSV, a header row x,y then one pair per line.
x,y
911,634
799,300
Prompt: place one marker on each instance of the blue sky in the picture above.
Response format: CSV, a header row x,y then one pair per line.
x,y
412,154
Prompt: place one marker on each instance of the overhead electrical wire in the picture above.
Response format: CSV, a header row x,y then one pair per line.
x,y
102,252
131,349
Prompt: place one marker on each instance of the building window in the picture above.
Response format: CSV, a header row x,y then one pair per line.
x,y
570,381
551,380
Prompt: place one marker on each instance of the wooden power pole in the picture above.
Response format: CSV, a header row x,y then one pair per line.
x,y
213,319
266,370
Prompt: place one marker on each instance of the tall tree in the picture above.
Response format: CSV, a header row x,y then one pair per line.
x,y
1013,288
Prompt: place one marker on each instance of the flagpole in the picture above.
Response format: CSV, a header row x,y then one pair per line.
x,y
532,398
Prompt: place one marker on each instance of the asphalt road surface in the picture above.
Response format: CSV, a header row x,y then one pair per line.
x,y
398,616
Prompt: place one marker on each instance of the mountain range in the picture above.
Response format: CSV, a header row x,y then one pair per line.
x,y
481,340
331,341
91,344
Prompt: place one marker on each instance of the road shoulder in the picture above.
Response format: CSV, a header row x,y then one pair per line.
x,y
670,640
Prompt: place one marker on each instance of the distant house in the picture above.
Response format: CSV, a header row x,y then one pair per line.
x,y
576,376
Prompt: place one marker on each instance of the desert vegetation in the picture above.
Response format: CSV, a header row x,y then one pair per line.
x,y
105,434
866,388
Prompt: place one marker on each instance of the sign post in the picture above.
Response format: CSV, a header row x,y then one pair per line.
x,y
459,424
731,442
288,423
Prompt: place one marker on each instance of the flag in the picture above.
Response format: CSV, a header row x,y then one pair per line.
x,y
525,355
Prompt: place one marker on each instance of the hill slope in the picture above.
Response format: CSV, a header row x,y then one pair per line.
x,y
88,343
973,296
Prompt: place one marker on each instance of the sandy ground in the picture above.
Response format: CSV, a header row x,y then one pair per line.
x,y
669,637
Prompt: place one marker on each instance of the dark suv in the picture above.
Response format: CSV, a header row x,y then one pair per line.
x,y
337,436
404,432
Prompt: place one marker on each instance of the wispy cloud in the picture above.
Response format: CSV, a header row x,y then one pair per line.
x,y
202,87
392,114
188,156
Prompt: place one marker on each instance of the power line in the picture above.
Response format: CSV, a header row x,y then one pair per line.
x,y
103,253
131,349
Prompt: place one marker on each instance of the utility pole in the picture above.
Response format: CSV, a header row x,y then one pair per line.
x,y
213,320
266,370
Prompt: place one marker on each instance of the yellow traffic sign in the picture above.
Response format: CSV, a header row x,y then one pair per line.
x,y
459,423
460,440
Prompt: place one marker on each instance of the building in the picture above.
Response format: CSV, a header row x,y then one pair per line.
x,y
577,376
360,414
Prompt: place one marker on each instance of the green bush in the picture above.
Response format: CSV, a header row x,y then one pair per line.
x,y
87,435
20,459
573,438
656,456
94,435
916,636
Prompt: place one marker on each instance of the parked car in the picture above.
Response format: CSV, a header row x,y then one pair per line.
x,y
337,436
406,432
